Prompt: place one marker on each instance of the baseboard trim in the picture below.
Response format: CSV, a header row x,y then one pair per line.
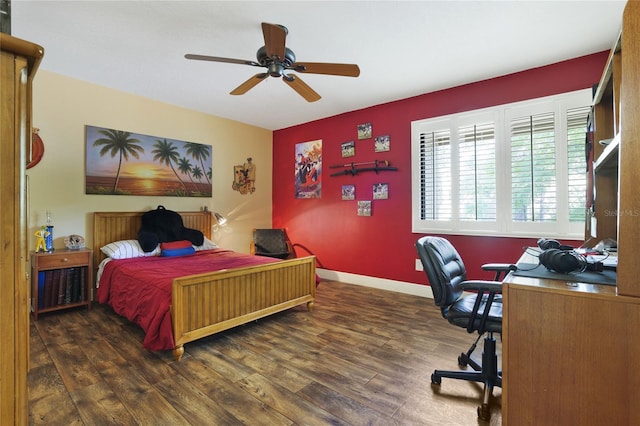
x,y
379,283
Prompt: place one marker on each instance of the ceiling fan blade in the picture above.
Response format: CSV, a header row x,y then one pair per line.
x,y
301,87
249,84
347,70
274,39
218,59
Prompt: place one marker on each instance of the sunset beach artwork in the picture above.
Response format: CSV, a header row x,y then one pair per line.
x,y
126,163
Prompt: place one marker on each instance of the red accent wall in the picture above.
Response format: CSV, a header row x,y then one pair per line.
x,y
382,245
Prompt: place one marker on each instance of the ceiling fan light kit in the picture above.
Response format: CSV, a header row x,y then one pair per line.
x,y
277,58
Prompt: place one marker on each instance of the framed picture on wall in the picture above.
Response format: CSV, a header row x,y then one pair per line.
x,y
348,192
364,208
380,191
382,143
348,149
364,131
126,163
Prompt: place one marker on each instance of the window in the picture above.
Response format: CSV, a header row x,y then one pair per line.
x,y
512,170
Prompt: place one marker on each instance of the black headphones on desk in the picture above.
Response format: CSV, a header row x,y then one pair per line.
x,y
566,261
546,244
563,259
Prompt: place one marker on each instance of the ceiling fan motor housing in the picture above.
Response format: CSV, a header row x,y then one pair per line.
x,y
276,65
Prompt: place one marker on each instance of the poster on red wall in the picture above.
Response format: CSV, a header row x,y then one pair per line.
x,y
308,169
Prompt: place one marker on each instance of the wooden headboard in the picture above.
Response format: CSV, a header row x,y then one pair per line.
x,y
114,226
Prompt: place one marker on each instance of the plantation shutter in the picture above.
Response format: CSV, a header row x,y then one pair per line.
x,y
477,172
576,162
533,169
435,175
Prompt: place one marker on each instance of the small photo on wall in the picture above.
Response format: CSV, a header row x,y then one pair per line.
x,y
380,191
364,131
382,143
349,149
348,192
364,208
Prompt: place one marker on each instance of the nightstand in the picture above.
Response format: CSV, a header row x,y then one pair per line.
x,y
60,280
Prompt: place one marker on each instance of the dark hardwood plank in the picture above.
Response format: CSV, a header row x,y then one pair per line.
x,y
277,372
194,405
74,367
353,412
289,404
98,404
235,400
141,399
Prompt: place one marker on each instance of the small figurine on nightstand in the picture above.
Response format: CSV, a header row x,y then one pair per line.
x,y
41,234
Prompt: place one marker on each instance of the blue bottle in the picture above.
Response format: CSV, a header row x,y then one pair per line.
x,y
48,241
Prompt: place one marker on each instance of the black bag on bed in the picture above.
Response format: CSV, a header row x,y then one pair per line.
x,y
161,226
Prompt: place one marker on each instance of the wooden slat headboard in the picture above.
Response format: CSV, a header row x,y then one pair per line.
x,y
114,226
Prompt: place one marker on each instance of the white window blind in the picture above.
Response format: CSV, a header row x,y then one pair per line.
x,y
435,175
577,126
533,169
477,172
512,170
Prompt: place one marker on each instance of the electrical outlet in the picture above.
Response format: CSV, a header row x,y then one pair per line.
x,y
419,265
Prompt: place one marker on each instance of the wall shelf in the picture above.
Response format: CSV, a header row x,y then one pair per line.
x,y
608,159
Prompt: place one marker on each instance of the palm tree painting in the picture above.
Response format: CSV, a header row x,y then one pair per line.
x,y
125,163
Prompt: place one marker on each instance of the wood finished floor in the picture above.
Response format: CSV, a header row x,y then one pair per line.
x,y
362,357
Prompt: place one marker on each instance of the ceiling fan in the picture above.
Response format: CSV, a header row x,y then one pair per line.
x,y
278,58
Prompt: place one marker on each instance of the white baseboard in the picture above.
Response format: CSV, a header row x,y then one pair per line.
x,y
380,283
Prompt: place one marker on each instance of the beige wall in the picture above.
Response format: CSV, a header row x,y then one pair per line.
x,y
62,106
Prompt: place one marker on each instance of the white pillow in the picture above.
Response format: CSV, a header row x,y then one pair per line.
x,y
206,245
127,249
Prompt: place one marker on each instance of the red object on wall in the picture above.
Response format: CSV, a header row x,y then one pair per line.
x,y
37,149
383,245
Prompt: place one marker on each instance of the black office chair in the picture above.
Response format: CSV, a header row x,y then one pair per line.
x,y
479,312
272,243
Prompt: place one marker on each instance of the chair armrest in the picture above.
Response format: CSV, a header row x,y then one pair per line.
x,y
499,269
485,286
481,287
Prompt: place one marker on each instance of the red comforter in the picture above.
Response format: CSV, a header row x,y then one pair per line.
x,y
140,289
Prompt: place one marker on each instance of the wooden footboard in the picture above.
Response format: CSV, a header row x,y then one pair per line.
x,y
209,303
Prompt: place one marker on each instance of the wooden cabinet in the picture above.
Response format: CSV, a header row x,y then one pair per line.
x,y
18,63
616,117
570,350
60,280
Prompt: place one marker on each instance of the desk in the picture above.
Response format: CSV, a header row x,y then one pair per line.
x,y
570,352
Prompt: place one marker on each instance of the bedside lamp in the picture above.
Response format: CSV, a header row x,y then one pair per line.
x,y
220,219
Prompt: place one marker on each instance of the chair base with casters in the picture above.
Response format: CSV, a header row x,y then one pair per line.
x,y
479,311
486,373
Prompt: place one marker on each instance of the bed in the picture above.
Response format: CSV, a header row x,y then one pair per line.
x,y
206,303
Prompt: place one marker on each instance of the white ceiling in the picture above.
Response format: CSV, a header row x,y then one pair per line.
x,y
403,48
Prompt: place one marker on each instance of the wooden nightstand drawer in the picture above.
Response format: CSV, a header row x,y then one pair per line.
x,y
66,259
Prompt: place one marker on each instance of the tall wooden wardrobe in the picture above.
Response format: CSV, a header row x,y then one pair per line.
x,y
19,61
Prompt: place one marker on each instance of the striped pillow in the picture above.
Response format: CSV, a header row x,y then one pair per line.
x,y
127,249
